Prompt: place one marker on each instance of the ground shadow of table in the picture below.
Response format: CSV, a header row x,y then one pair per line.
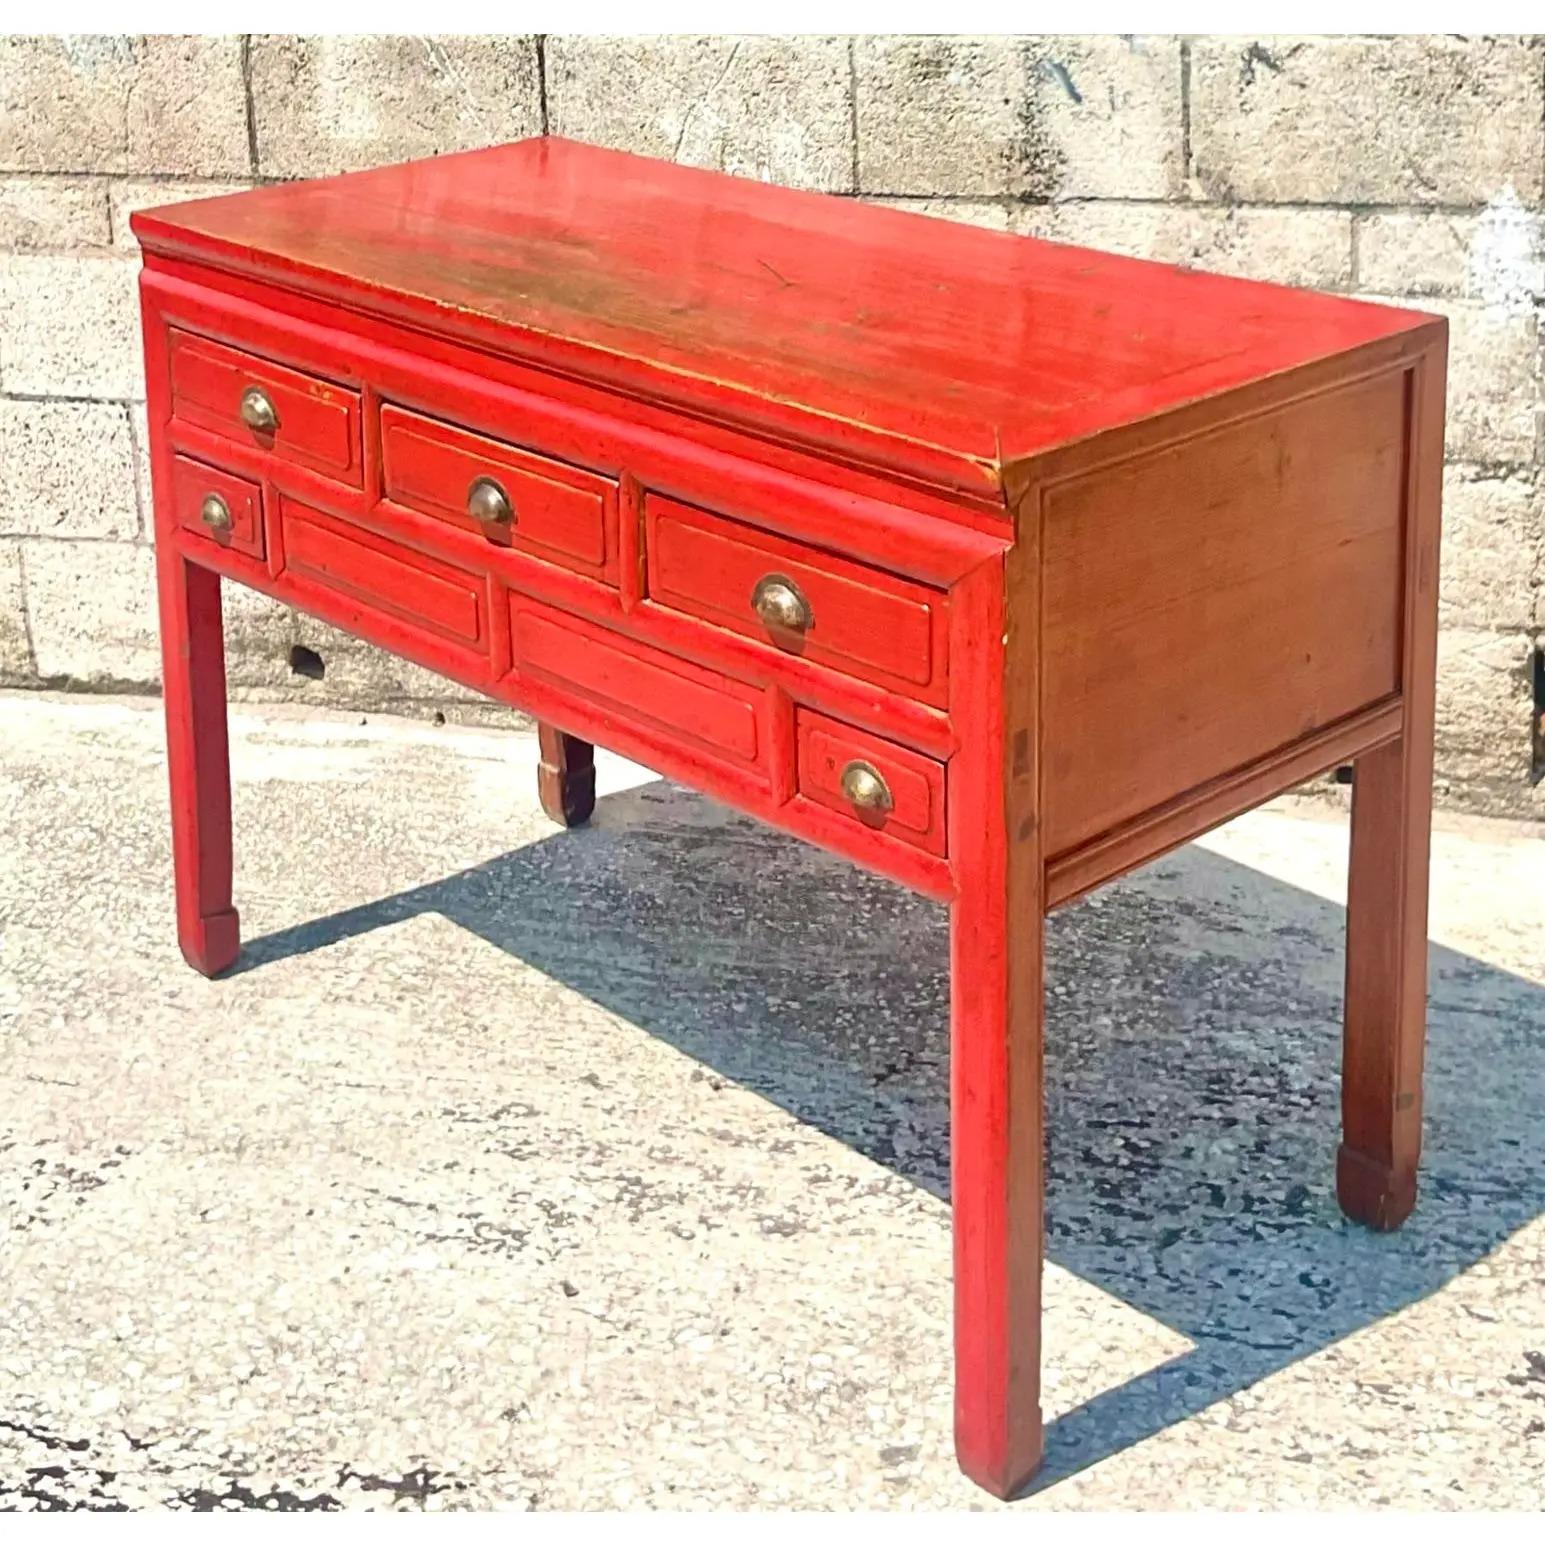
x,y
1192,1062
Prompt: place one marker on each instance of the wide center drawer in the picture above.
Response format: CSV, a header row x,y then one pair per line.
x,y
798,599
516,498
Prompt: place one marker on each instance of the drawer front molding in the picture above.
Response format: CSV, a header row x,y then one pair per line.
x,y
864,778
551,510
218,506
253,401
798,599
605,596
385,576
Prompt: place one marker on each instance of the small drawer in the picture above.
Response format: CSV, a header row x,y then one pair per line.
x,y
226,509
883,786
295,416
515,498
689,703
436,597
798,599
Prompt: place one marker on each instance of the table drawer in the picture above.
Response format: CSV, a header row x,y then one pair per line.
x,y
689,703
299,417
435,597
560,513
883,786
798,599
217,505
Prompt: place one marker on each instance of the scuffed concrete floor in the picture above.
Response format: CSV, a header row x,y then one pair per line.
x,y
606,1169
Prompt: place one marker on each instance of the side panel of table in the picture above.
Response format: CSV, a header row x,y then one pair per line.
x,y
1267,571
1223,609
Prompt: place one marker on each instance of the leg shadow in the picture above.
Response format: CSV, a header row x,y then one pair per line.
x,y
1193,1047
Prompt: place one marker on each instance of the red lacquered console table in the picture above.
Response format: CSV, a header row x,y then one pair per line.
x,y
997,566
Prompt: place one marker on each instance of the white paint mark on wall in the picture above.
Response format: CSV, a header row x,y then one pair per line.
x,y
89,55
1505,268
351,113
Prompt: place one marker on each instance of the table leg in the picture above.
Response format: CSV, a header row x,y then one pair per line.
x,y
996,931
1386,986
198,759
565,781
1386,963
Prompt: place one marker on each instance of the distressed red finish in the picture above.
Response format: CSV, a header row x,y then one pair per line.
x,y
995,565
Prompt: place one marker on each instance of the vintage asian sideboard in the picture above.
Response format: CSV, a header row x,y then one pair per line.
x,y
995,565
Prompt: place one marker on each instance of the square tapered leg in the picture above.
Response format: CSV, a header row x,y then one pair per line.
x,y
198,760
566,779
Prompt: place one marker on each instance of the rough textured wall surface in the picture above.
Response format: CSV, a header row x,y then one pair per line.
x,y
1402,168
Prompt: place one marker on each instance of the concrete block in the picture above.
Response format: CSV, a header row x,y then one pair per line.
x,y
258,634
69,327
1000,216
778,109
1389,120
92,608
187,110
130,194
1495,257
1306,247
62,103
123,104
67,470
1493,382
1048,117
16,667
1492,536
1483,728
1400,253
42,214
360,675
331,104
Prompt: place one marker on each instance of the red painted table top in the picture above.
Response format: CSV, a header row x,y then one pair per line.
x,y
919,346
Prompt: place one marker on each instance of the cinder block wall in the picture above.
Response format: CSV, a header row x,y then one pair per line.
x,y
1405,168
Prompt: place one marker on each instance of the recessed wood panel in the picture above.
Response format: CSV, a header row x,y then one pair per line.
x,y
864,621
710,711
386,577
318,421
562,514
1209,603
194,481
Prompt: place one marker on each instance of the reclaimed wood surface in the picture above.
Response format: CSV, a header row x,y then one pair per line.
x,y
938,350
1071,557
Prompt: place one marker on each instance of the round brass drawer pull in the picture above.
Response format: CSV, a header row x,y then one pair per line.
x,y
781,604
258,412
215,513
488,502
866,790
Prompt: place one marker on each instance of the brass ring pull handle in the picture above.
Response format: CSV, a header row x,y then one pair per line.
x,y
488,502
866,790
781,604
258,412
215,513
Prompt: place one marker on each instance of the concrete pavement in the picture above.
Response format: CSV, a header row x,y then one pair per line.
x,y
517,1168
